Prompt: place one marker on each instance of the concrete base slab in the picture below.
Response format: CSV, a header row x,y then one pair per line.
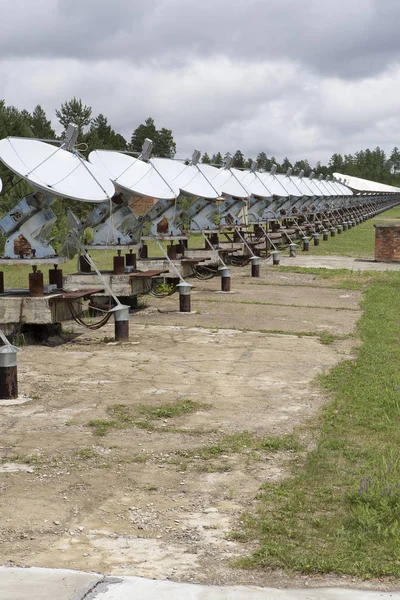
x,y
34,311
133,587
255,317
48,584
339,262
45,584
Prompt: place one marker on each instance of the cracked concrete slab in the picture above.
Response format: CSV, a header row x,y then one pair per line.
x,y
46,584
63,584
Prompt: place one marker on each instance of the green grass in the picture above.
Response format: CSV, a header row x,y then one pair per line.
x,y
340,511
357,242
244,442
142,416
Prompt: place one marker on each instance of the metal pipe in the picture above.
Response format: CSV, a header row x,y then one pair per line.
x,y
184,296
225,279
276,257
84,264
255,266
8,372
121,323
56,277
36,285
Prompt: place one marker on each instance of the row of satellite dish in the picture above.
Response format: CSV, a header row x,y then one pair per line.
x,y
62,172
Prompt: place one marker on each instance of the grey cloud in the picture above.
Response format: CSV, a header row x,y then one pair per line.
x,y
350,38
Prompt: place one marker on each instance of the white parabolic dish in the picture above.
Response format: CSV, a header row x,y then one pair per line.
x,y
224,181
54,170
188,178
133,175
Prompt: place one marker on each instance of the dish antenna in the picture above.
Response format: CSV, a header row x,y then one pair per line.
x,y
53,172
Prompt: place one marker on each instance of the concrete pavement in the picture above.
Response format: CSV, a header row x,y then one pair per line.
x,y
61,584
337,262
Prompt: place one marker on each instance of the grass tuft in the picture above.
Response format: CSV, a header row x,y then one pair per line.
x,y
127,417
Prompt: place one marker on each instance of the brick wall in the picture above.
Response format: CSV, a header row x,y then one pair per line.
x,y
387,242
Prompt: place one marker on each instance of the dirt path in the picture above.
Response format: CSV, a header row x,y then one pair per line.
x,y
158,494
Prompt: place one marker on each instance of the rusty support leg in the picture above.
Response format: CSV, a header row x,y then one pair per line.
x,y
276,258
84,264
36,285
255,266
121,324
8,373
225,279
184,296
118,264
56,277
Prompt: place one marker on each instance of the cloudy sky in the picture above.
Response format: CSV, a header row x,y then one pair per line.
x,y
302,79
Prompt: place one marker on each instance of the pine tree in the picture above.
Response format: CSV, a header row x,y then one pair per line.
x,y
41,125
75,112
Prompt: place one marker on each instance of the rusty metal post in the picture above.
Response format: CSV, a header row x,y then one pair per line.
x,y
84,264
184,296
130,262
36,285
255,266
56,277
121,323
214,239
8,372
292,250
225,273
276,258
171,251
118,264
1,282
